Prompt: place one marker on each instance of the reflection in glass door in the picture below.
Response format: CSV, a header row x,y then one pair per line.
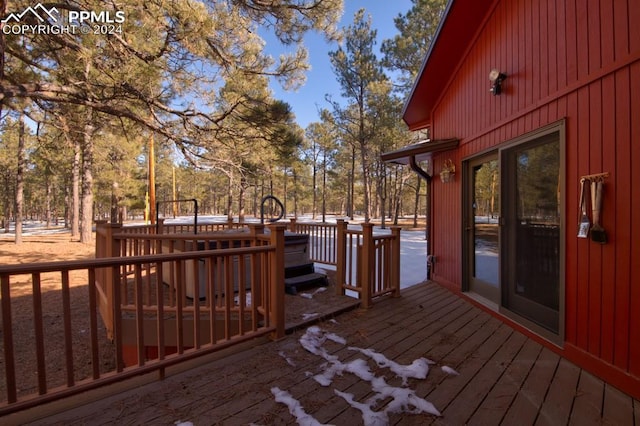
x,y
482,226
532,230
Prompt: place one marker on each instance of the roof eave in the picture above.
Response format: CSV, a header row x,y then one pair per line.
x,y
460,24
419,152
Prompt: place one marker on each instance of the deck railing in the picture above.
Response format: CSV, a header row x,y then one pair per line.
x,y
322,240
150,319
167,297
366,264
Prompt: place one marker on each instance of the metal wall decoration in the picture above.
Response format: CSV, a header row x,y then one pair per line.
x,y
592,188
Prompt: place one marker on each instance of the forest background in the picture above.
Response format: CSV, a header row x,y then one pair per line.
x,y
186,83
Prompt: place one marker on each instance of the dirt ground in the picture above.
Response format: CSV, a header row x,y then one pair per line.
x,y
60,247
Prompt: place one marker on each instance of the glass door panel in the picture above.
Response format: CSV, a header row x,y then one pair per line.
x,y
532,243
483,207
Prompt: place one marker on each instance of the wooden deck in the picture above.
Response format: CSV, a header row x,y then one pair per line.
x,y
504,377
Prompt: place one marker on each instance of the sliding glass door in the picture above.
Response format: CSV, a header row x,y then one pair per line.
x,y
532,230
512,218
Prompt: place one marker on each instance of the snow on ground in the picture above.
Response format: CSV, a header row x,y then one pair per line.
x,y
36,227
295,408
286,358
401,399
413,258
449,370
310,295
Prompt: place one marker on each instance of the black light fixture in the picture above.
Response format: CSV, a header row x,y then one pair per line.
x,y
496,78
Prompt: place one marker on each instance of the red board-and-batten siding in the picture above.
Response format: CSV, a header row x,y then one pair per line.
x,y
577,60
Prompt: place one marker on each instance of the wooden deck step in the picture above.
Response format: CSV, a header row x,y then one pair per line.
x,y
315,279
298,270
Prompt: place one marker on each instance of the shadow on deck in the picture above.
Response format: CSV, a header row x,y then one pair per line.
x,y
504,377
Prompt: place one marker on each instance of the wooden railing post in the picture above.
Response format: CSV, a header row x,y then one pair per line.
x,y
109,277
159,226
256,229
292,224
100,239
341,256
276,286
368,263
395,261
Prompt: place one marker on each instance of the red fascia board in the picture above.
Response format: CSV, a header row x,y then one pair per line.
x,y
458,27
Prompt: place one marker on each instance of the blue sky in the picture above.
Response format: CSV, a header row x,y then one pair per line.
x,y
320,79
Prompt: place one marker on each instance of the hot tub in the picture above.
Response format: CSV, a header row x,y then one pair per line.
x,y
296,255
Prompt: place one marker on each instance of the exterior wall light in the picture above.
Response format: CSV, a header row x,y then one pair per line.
x,y
496,78
447,172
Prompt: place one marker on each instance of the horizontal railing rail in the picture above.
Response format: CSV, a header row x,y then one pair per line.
x,y
162,227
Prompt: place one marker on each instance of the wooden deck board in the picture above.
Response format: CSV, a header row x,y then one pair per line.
x,y
587,405
618,406
504,378
499,393
478,372
557,404
466,359
527,403
510,386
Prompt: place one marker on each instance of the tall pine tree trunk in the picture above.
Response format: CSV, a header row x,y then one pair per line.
x,y
241,197
75,189
365,182
416,204
315,188
230,199
284,198
48,194
324,187
352,179
8,201
20,182
87,182
295,193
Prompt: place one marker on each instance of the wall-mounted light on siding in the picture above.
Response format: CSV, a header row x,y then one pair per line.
x,y
447,172
496,78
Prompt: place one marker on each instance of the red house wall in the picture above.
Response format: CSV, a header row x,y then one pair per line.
x,y
577,60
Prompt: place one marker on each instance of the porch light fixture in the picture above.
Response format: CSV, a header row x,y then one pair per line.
x,y
496,78
447,172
